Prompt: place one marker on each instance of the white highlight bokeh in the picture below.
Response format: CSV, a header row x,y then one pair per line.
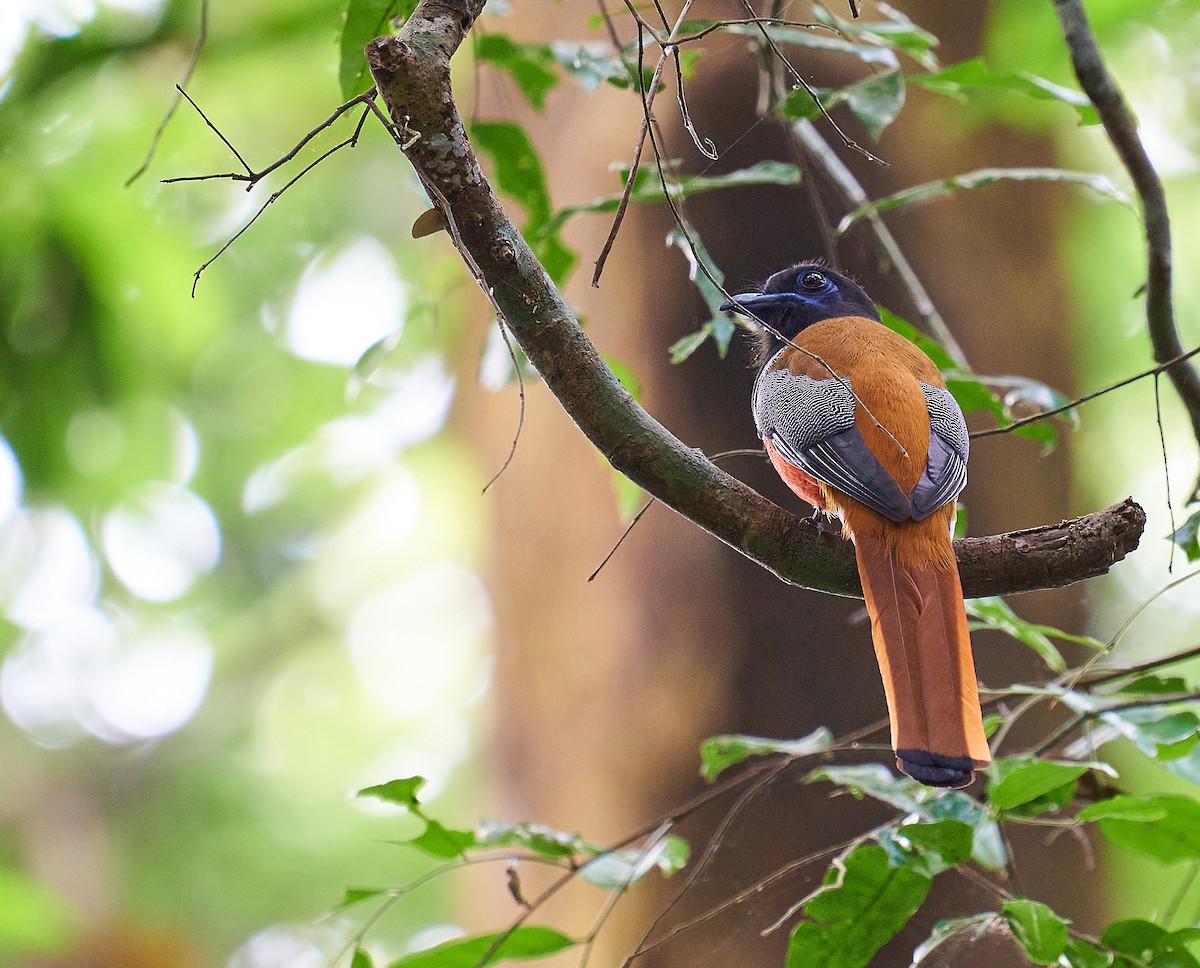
x,y
160,541
345,302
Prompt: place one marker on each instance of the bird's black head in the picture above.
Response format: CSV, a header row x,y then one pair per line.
x,y
794,299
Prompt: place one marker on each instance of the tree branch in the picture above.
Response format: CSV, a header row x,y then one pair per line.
x,y
1121,127
412,74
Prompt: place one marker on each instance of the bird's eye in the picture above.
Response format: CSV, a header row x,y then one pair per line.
x,y
812,281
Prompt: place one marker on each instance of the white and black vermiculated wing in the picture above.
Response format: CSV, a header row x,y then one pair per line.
x,y
811,424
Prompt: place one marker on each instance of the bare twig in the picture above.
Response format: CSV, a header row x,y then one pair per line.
x,y
1055,411
512,452
201,39
346,143
800,79
252,176
1121,127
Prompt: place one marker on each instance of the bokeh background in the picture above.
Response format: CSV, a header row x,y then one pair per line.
x,y
243,575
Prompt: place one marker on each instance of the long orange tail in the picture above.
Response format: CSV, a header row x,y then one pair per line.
x,y
924,650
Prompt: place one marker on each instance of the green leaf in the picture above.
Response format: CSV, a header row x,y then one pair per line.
x,y
531,66
401,792
1081,954
630,497
1138,809
947,928
524,942
1172,837
685,346
974,74
1017,780
364,21
861,905
951,840
819,40
874,101
354,895
940,188
648,189
995,613
1041,932
518,170
518,174
1133,936
718,753
722,327
1155,686
541,840
873,780
1188,537
440,841
675,854
361,959
897,32
615,870
1151,944
589,63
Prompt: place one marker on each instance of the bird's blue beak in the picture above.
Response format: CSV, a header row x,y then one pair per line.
x,y
756,303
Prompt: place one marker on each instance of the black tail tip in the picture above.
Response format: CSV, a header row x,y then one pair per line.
x,y
936,770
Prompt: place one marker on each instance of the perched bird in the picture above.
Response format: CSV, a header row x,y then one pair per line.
x,y
859,423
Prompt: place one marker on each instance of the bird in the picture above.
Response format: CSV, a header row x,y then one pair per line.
x,y
858,422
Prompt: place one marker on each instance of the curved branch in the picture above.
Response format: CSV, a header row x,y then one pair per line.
x,y
412,74
1121,127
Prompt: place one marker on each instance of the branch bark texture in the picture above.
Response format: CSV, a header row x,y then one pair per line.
x,y
412,74
1121,125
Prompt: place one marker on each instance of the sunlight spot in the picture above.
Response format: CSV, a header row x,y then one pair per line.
x,y
417,403
345,302
291,946
160,542
185,447
432,936
95,441
368,543
57,18
44,679
155,684
57,570
420,644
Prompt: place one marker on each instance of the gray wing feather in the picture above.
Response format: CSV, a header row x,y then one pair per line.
x,y
811,424
945,473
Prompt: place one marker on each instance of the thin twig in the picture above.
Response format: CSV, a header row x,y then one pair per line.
x,y
201,39
621,540
710,851
799,79
252,176
348,142
1055,411
1162,441
512,451
217,131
